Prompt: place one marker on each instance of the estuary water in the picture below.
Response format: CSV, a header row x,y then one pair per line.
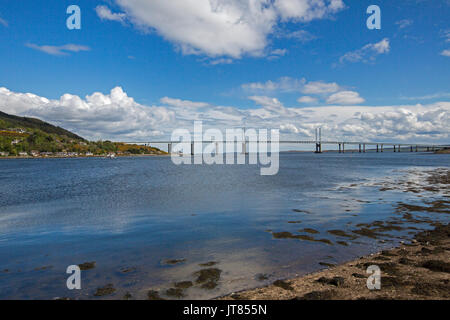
x,y
147,223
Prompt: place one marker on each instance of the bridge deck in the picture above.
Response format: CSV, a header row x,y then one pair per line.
x,y
303,142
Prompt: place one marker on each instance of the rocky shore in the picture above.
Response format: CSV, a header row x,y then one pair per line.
x,y
417,269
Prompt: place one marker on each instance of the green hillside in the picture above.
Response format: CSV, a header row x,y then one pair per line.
x,y
11,121
21,136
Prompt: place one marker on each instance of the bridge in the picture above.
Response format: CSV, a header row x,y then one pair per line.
x,y
341,145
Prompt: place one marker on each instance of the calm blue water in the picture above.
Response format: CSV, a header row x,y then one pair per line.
x,y
134,213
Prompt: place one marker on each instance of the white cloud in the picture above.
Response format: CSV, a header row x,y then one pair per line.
x,y
110,116
105,13
446,35
270,104
446,53
283,84
232,28
58,50
367,53
345,98
320,87
221,61
279,52
307,99
404,23
438,95
301,10
183,103
299,35
288,84
118,117
290,128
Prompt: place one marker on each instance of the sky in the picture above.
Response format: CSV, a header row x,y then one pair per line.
x,y
139,69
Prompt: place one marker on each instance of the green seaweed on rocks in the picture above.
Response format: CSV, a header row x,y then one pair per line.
x,y
175,293
153,295
208,278
183,284
87,265
104,291
283,285
309,230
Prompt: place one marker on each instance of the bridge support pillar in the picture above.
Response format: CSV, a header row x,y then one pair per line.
x,y
417,148
395,148
244,148
428,149
377,148
169,148
360,148
364,148
340,147
399,148
411,149
318,148
343,148
192,149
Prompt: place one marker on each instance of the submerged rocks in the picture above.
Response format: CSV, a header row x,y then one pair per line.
x,y
208,278
87,266
106,290
173,261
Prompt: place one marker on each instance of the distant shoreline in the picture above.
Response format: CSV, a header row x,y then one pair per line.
x,y
84,157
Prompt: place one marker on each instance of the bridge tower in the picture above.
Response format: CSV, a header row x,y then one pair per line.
x,y
319,141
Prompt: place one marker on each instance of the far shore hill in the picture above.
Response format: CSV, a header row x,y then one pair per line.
x,y
31,137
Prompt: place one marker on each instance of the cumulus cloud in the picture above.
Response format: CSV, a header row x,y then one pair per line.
x,y
118,117
368,53
104,13
114,115
345,98
58,50
273,105
232,28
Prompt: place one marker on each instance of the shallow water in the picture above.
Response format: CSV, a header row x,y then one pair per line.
x,y
135,213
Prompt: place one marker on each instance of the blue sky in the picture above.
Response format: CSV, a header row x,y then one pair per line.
x,y
146,49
